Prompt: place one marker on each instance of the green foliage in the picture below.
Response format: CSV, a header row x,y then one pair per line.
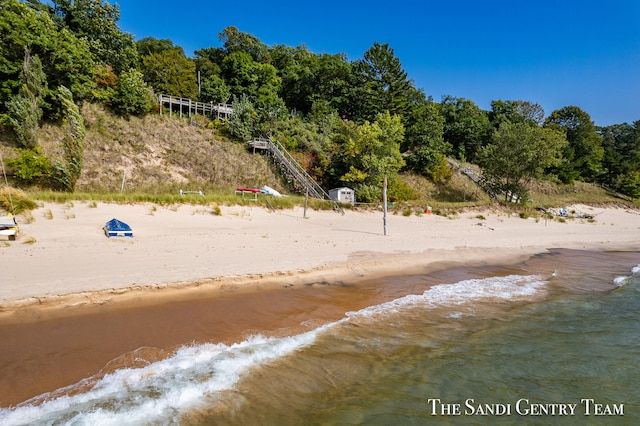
x,y
292,93
31,166
621,143
380,84
365,153
24,108
237,41
97,22
430,163
23,120
425,141
629,184
150,45
73,143
309,78
214,89
64,56
400,191
515,112
132,96
242,121
518,153
257,81
170,72
584,153
467,127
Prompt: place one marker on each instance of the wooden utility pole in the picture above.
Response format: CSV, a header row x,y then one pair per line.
x,y
384,204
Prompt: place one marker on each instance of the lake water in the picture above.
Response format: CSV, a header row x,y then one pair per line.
x,y
555,340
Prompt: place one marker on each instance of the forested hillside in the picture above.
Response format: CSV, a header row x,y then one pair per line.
x,y
350,123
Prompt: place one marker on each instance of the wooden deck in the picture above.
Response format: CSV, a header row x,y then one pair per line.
x,y
187,106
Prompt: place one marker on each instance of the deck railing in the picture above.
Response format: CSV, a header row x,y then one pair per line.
x,y
187,106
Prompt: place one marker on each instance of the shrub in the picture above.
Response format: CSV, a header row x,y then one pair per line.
x,y
133,96
31,166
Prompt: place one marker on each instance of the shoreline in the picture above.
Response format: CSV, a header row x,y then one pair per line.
x,y
36,309
64,350
75,304
71,265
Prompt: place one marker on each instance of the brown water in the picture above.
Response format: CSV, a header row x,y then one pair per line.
x,y
42,356
352,371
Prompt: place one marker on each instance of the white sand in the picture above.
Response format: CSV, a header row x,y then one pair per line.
x,y
64,250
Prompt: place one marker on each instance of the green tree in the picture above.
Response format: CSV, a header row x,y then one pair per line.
x,y
133,96
97,22
237,41
73,142
214,89
518,153
629,184
307,78
467,128
621,161
65,58
532,112
424,139
171,73
25,108
515,112
208,61
366,153
106,84
150,45
379,84
257,82
584,152
242,122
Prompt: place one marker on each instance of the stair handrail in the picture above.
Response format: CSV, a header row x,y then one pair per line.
x,y
300,173
304,178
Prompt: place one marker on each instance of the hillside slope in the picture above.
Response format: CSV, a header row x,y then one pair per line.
x,y
158,154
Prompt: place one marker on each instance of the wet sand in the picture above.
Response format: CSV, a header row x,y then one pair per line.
x,y
50,349
74,304
45,355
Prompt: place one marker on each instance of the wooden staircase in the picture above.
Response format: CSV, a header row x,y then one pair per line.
x,y
292,169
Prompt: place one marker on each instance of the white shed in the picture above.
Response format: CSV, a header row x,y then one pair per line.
x,y
343,195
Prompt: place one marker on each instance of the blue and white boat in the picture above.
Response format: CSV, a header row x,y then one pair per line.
x,y
117,228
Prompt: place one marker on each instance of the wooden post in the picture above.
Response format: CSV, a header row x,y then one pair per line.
x,y
124,173
306,201
384,204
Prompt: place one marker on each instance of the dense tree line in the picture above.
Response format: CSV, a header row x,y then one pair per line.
x,y
349,122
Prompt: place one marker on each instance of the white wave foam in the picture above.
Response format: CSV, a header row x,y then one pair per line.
x,y
161,390
507,287
621,281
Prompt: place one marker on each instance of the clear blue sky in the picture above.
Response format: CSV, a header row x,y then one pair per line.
x,y
553,52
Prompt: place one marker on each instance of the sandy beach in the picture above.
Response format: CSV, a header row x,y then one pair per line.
x,y
70,296
62,257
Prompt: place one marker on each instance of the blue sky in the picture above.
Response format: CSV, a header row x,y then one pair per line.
x,y
553,52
